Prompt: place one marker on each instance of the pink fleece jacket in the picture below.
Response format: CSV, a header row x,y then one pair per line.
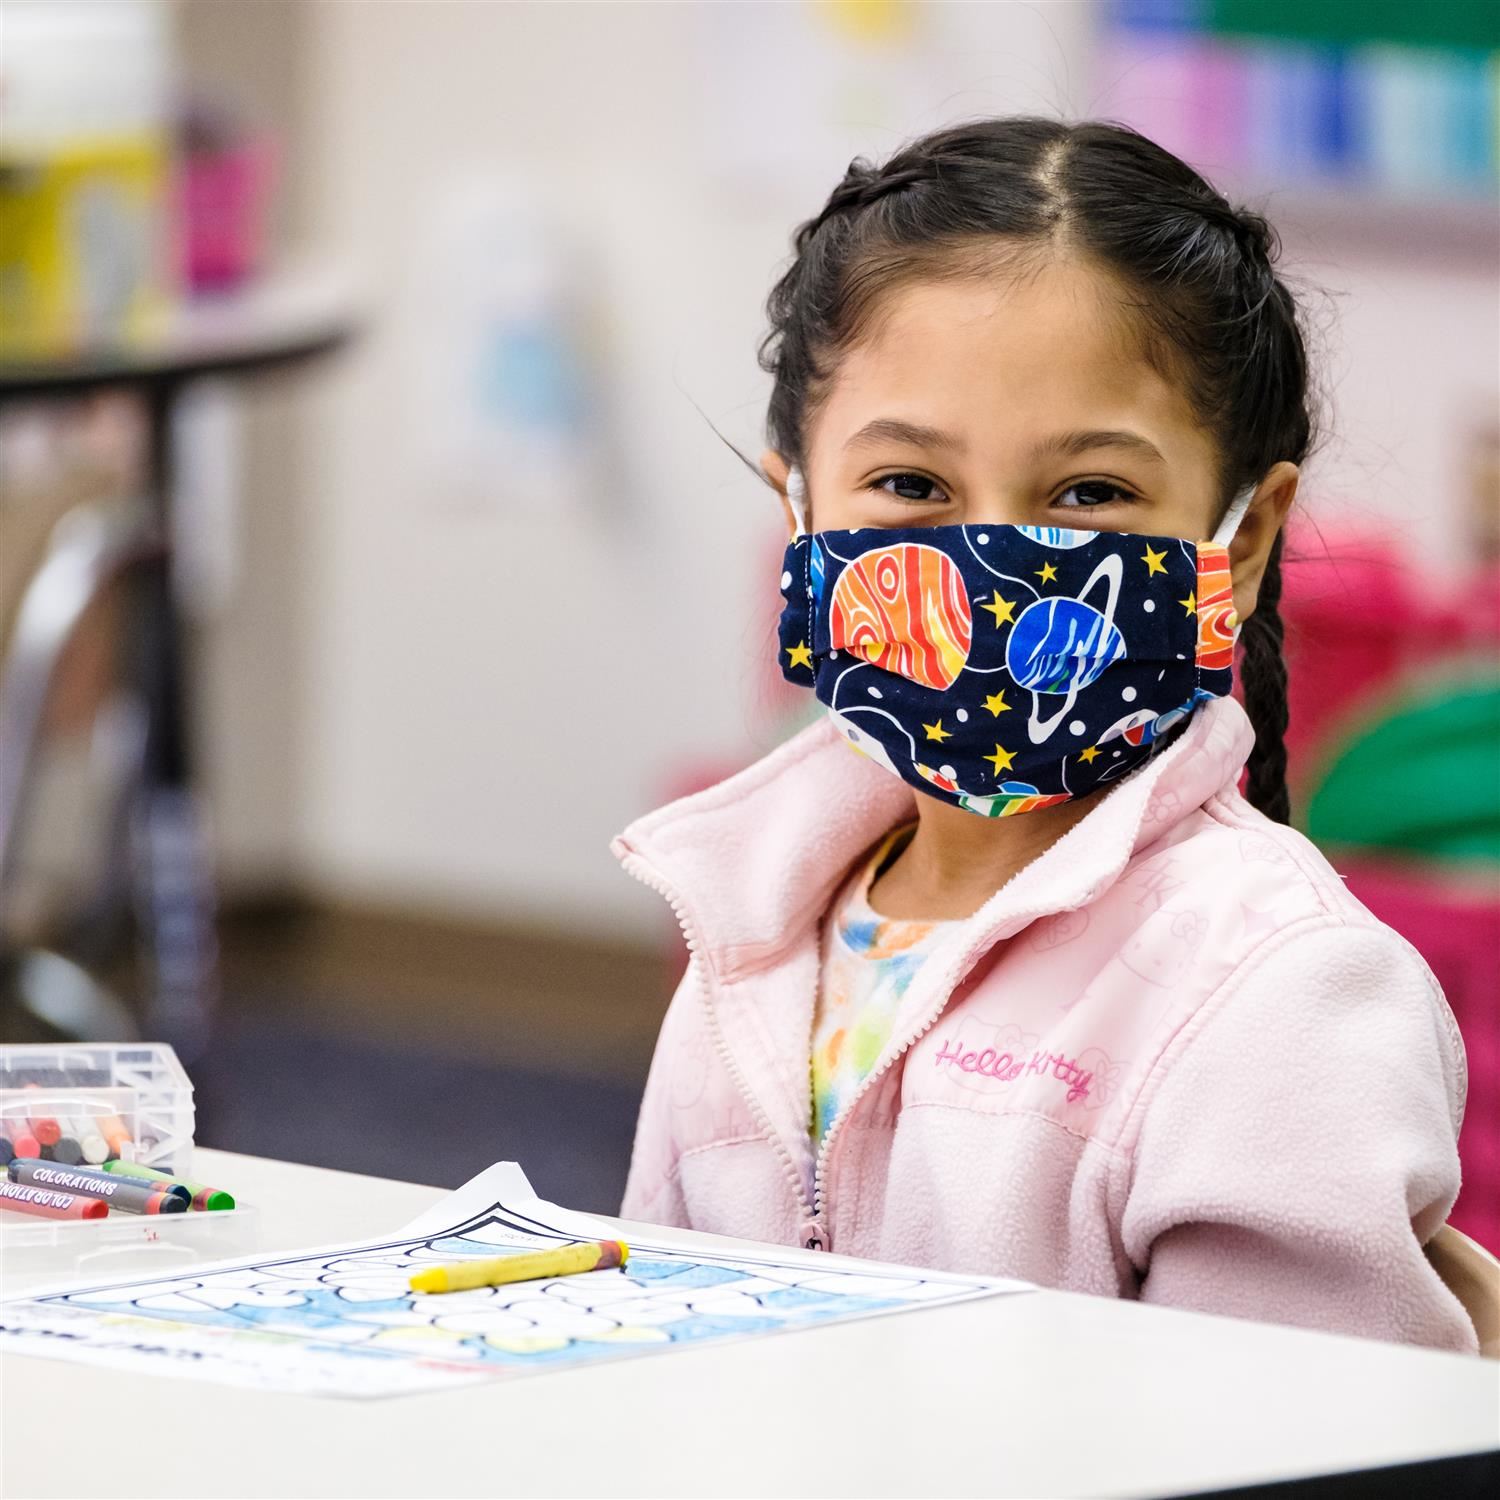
x,y
1171,1059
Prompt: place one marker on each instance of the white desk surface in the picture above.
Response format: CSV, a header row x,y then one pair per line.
x,y
1035,1394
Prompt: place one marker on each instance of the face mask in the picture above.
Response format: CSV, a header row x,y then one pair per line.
x,y
1007,668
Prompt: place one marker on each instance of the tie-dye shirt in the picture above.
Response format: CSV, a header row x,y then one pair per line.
x,y
868,963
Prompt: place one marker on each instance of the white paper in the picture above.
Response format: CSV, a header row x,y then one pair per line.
x,y
340,1321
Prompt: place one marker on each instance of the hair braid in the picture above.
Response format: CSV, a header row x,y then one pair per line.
x,y
862,185
1264,678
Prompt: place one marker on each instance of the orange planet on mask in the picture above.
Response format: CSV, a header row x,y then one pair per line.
x,y
905,609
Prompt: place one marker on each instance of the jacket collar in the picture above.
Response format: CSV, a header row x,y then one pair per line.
x,y
751,864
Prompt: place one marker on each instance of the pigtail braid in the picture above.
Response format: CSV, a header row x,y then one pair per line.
x,y
1263,677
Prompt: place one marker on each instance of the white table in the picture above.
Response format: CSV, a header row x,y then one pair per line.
x,y
1038,1393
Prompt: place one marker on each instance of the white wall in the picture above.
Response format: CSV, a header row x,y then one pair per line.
x,y
493,693
483,694
1409,352
251,638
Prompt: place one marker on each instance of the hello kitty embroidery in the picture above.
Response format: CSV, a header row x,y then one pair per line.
x,y
1006,1067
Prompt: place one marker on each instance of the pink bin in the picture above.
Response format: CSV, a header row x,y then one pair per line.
x,y
224,209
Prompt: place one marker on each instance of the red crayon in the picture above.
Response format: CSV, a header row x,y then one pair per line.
x,y
47,1130
26,1144
47,1203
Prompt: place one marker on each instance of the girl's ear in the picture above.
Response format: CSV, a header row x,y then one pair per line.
x,y
1258,531
776,469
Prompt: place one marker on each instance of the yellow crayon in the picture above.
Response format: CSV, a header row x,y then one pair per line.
x,y
592,1255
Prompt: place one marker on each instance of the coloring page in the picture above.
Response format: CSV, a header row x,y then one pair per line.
x,y
341,1321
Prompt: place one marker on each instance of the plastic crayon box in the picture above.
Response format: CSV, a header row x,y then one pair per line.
x,y
86,1104
140,1092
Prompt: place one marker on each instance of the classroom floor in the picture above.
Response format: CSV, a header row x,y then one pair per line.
x,y
408,1047
415,1049
308,1095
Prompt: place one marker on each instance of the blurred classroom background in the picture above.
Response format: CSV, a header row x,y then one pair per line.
x,y
371,554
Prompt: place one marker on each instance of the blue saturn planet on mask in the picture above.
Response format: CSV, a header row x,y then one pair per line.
x,y
1061,645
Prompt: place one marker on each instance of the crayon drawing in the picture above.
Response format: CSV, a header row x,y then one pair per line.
x,y
343,1322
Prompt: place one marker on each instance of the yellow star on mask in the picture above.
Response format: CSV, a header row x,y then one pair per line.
x,y
1090,755
1155,561
996,704
937,732
1002,759
800,656
1002,609
1046,572
1190,604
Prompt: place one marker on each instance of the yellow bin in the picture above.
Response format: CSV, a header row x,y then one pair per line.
x,y
85,244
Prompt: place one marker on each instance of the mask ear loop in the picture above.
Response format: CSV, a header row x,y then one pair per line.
x,y
1234,515
1224,535
796,497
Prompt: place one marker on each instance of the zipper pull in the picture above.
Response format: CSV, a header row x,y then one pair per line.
x,y
814,1236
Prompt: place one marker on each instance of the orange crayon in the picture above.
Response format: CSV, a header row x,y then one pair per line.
x,y
116,1135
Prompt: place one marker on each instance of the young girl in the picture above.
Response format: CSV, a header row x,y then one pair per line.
x,y
1028,987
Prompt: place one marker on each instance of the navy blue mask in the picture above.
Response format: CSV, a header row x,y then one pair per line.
x,y
1008,668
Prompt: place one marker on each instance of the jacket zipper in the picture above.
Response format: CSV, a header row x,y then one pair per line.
x,y
814,1232
814,1236
932,1017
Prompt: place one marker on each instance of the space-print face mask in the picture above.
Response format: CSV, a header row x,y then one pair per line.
x,y
1007,668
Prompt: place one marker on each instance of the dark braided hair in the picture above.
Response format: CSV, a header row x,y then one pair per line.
x,y
1263,684
1211,310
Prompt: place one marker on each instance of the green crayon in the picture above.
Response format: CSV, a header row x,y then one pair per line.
x,y
200,1196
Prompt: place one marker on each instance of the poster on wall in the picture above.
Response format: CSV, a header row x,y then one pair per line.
x,y
502,385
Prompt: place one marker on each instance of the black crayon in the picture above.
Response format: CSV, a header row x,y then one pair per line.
x,y
99,1174
66,1150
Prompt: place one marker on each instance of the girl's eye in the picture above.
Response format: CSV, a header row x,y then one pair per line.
x,y
1089,493
910,487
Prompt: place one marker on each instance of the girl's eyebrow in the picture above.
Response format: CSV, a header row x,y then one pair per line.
x,y
894,430
1062,445
1071,444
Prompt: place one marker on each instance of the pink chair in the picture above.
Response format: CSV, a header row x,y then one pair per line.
x,y
1455,925
1346,662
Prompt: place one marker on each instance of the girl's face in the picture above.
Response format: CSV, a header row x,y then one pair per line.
x,y
1024,400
